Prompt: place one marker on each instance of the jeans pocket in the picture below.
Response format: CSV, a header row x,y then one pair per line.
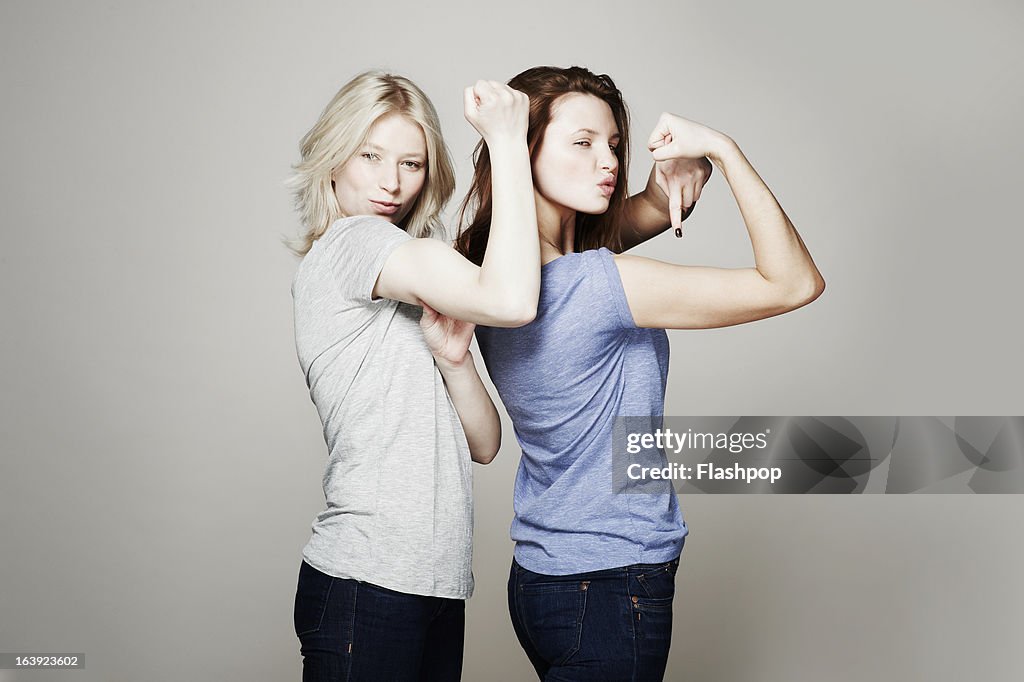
x,y
657,587
311,597
552,615
653,593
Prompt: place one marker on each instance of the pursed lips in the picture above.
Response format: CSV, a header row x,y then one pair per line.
x,y
386,207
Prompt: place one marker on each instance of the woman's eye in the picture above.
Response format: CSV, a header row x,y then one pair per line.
x,y
414,165
613,147
369,155
583,143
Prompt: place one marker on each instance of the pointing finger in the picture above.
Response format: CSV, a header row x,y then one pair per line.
x,y
675,208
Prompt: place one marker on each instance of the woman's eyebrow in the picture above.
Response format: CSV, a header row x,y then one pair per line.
x,y
377,148
594,132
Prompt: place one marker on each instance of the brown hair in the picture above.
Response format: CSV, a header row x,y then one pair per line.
x,y
544,85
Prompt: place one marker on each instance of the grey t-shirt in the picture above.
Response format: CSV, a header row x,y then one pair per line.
x,y
399,479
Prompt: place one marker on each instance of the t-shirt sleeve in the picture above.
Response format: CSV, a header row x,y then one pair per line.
x,y
356,249
616,293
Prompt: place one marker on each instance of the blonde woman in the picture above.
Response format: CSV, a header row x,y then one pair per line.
x,y
383,580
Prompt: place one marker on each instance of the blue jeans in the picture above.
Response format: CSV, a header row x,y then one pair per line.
x,y
614,624
354,631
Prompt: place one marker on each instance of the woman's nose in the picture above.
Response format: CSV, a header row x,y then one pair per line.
x,y
610,162
388,180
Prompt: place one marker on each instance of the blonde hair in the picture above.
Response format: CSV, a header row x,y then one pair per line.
x,y
342,130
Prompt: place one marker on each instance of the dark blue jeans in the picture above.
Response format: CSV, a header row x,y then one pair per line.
x,y
355,631
614,624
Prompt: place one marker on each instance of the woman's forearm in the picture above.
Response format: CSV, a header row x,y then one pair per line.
x,y
511,264
645,215
474,406
779,253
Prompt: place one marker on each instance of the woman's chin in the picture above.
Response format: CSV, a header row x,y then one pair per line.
x,y
597,208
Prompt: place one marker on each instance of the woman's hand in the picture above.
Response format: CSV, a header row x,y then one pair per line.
x,y
681,149
447,338
497,111
681,179
676,137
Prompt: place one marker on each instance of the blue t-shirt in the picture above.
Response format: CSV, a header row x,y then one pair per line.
x,y
564,378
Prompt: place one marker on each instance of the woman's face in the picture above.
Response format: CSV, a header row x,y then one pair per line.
x,y
575,168
386,174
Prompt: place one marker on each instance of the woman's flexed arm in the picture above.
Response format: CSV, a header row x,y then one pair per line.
x,y
683,297
502,292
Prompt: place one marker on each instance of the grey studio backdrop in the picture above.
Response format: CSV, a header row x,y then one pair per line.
x,y
161,460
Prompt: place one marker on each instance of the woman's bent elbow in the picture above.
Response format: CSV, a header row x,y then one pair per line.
x,y
818,287
526,315
516,314
807,292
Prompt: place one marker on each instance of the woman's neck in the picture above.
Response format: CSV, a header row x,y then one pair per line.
x,y
557,228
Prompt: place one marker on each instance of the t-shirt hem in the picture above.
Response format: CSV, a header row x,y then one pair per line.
x,y
536,563
387,582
